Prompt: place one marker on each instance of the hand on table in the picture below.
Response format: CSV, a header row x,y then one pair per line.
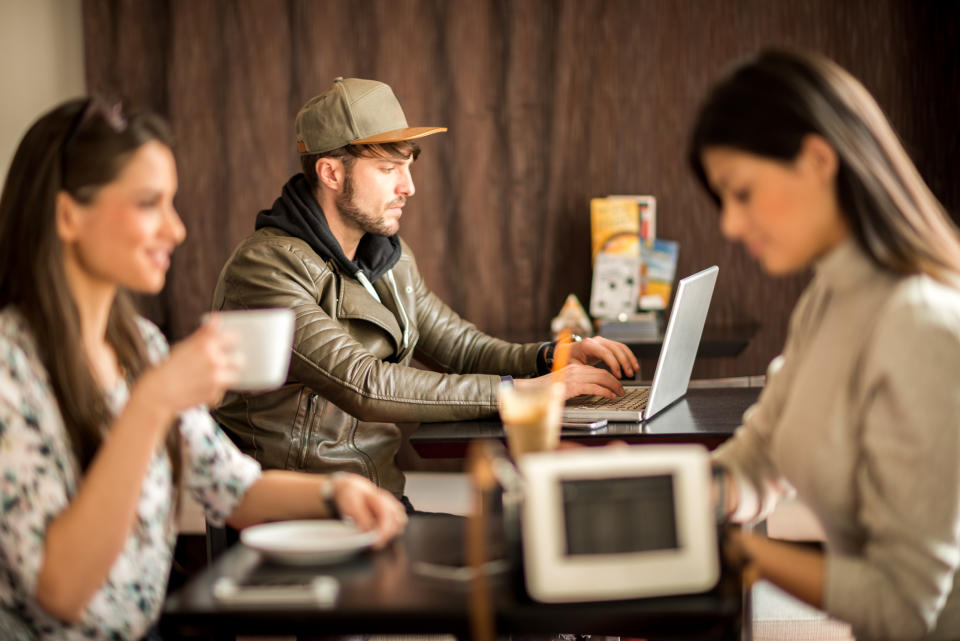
x,y
370,507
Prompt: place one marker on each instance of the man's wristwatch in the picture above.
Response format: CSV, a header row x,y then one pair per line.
x,y
551,349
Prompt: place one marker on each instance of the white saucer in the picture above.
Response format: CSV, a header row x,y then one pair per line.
x,y
307,542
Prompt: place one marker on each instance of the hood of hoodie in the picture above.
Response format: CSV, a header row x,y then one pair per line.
x,y
298,213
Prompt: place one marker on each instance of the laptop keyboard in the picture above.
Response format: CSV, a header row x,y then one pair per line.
x,y
634,399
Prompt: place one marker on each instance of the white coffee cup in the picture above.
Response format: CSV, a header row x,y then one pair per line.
x,y
264,338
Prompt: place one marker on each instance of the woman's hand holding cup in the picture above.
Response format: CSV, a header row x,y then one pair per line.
x,y
199,370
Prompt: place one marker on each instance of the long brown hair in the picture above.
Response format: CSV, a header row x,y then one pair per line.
x,y
768,103
78,148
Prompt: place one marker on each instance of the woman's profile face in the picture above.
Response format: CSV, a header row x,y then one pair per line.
x,y
785,213
126,234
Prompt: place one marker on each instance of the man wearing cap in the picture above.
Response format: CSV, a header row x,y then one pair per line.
x,y
329,250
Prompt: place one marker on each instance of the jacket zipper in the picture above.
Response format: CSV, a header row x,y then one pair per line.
x,y
403,312
365,459
311,417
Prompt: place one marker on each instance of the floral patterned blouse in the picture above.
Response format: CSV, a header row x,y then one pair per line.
x,y
39,477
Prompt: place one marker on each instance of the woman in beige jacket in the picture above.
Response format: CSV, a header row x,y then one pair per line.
x,y
861,413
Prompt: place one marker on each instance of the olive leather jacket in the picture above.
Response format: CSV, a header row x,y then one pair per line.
x,y
350,378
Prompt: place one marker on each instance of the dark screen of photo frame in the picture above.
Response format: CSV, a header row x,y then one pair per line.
x,y
619,515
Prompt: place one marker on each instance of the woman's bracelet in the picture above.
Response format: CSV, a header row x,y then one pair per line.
x,y
328,494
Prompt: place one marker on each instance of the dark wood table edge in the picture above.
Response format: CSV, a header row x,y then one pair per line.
x,y
458,449
455,436
719,614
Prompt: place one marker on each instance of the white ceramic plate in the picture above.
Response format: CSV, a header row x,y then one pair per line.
x,y
307,542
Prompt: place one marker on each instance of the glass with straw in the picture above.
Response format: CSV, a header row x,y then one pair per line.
x,y
531,414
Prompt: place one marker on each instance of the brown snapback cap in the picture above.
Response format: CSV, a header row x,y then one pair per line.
x,y
354,112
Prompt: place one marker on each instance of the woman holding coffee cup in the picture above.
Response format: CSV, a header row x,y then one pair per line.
x,y
99,424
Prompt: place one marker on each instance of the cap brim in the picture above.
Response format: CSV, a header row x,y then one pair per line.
x,y
398,135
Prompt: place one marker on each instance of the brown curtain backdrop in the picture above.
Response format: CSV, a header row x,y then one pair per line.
x,y
549,103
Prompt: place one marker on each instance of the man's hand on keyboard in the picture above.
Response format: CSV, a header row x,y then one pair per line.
x,y
618,358
580,379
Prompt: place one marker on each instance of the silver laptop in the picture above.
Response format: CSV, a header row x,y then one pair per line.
x,y
680,344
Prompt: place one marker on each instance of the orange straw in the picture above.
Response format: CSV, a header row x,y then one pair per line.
x,y
562,355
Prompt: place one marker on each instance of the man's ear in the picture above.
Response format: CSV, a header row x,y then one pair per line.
x,y
69,217
820,156
330,173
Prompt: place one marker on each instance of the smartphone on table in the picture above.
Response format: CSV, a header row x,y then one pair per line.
x,y
284,590
584,424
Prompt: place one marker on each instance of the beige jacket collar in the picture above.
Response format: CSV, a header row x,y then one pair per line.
x,y
844,267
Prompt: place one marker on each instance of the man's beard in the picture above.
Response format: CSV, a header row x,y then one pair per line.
x,y
368,221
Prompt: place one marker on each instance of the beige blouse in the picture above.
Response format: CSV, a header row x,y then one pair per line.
x,y
861,418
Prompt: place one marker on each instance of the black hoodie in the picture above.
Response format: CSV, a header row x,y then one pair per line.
x,y
298,213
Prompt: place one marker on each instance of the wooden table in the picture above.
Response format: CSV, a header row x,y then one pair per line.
x,y
706,416
399,590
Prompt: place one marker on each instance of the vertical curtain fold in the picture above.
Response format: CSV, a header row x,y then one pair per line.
x,y
549,103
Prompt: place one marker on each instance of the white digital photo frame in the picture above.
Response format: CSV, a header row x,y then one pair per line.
x,y
611,523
